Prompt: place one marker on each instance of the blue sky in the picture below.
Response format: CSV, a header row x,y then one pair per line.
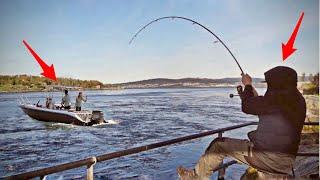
x,y
88,39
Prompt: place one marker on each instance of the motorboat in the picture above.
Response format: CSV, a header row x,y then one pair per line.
x,y
59,115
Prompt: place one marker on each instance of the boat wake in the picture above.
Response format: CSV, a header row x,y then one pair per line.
x,y
111,121
59,125
68,126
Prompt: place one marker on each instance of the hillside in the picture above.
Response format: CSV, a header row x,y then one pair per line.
x,y
186,82
23,83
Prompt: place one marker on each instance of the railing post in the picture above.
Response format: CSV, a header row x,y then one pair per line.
x,y
90,172
221,172
90,168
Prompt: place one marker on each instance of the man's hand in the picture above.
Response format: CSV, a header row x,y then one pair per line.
x,y
246,79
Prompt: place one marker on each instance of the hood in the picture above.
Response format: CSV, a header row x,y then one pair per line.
x,y
281,77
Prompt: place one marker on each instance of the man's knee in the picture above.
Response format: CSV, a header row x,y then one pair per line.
x,y
217,145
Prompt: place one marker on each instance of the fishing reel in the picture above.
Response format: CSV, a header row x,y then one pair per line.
x,y
239,90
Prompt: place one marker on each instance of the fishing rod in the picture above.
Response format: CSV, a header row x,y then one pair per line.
x,y
194,22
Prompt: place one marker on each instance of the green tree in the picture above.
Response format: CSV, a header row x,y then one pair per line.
x,y
303,77
315,80
310,77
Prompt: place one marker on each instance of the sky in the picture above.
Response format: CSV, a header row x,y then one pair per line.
x,y
88,39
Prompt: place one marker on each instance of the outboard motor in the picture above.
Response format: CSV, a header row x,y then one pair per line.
x,y
97,117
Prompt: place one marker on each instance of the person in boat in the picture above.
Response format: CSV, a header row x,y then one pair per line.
x,y
79,100
49,103
273,146
65,102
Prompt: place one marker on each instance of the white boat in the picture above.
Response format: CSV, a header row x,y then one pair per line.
x,y
82,118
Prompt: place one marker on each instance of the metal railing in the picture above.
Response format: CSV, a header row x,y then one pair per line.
x,y
90,162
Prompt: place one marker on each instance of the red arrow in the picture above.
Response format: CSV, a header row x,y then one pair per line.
x,y
288,49
48,71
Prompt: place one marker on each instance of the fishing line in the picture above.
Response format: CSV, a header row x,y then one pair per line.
x,y
194,22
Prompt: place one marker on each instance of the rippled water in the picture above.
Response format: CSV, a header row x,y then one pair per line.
x,y
138,117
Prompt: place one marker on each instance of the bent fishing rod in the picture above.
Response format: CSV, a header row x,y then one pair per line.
x,y
194,22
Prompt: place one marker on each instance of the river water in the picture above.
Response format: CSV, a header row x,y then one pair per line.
x,y
137,117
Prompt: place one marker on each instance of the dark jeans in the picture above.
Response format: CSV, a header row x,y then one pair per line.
x,y
78,108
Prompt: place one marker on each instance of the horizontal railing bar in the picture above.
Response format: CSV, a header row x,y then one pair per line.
x,y
307,154
79,163
311,124
227,164
53,169
166,143
92,160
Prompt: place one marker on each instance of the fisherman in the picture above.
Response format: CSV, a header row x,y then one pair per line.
x,y
273,146
49,103
79,100
66,103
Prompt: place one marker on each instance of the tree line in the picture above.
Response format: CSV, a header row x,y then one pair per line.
x,y
37,83
313,86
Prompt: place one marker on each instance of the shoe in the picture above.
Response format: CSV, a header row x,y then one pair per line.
x,y
186,174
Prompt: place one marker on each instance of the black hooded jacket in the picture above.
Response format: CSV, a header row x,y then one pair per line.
x,y
281,112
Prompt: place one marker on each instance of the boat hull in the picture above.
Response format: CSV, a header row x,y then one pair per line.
x,y
46,115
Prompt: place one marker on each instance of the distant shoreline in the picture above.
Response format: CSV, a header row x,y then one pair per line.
x,y
30,84
38,91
